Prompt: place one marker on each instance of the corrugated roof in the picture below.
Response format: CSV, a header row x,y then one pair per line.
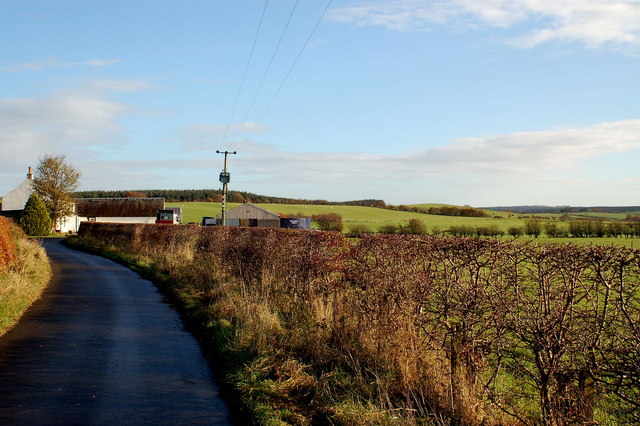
x,y
250,211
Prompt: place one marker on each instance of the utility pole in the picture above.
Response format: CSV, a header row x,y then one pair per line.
x,y
225,176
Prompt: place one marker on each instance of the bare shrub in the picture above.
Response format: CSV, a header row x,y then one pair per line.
x,y
328,221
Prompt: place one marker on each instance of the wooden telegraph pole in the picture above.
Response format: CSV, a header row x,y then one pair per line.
x,y
224,178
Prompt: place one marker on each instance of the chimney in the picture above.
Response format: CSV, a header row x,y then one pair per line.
x,y
30,174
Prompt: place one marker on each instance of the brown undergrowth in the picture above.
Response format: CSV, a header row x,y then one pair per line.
x,y
392,329
7,246
24,273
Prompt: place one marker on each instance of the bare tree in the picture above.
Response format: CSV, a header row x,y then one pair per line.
x,y
55,181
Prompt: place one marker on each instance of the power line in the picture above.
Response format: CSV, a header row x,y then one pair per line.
x,y
273,56
255,125
244,75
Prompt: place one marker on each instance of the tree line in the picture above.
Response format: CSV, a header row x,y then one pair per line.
x,y
215,196
442,210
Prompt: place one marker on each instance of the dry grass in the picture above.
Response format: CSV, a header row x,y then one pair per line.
x,y
23,281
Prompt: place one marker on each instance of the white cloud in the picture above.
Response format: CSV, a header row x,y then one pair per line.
x,y
57,63
595,23
517,155
74,121
57,123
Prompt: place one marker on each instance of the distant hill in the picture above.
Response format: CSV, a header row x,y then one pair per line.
x,y
564,209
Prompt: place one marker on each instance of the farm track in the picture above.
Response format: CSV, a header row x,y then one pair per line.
x,y
101,347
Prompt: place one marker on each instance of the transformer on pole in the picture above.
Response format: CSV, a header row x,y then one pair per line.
x,y
225,177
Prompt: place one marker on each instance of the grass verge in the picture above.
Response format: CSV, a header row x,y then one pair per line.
x,y
23,281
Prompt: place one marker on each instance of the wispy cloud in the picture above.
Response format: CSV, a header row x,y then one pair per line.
x,y
56,63
595,23
127,86
195,136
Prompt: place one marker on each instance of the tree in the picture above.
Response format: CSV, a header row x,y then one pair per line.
x,y
415,226
328,221
135,194
54,182
554,230
35,219
516,231
533,227
389,228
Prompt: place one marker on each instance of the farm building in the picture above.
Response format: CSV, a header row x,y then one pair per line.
x,y
295,222
13,203
114,210
249,214
120,210
253,216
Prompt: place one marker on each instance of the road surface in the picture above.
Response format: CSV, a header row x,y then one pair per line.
x,y
102,348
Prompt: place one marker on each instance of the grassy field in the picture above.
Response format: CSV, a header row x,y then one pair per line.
x,y
374,218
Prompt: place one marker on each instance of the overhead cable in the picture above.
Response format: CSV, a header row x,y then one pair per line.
x,y
255,125
266,72
244,75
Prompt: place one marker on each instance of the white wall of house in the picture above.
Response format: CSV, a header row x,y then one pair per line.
x,y
68,224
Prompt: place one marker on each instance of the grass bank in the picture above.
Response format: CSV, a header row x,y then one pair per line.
x,y
23,279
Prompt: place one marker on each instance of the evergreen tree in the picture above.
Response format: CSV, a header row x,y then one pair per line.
x,y
35,219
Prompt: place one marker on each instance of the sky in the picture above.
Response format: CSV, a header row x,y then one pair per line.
x,y
467,102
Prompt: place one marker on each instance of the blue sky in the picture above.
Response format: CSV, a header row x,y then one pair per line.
x,y
480,102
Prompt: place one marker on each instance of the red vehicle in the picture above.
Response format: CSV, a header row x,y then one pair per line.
x,y
170,216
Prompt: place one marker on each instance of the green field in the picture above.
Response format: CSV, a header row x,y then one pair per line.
x,y
374,218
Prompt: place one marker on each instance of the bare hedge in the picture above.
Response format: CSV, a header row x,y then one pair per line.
x,y
482,330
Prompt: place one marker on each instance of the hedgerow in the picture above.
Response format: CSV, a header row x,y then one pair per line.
x,y
410,329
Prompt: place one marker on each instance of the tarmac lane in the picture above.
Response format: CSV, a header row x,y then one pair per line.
x,y
102,348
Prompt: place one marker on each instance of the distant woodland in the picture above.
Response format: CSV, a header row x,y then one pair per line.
x,y
215,196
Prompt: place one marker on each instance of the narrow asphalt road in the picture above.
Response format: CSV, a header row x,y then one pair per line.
x,y
101,348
